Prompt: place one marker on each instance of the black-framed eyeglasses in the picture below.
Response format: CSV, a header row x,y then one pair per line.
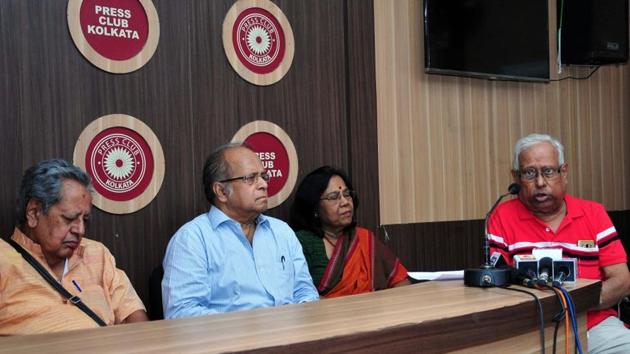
x,y
336,196
547,172
250,178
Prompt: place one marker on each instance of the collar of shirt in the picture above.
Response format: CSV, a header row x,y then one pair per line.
x,y
572,211
36,250
218,217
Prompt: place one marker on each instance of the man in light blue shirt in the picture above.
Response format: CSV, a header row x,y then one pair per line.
x,y
234,258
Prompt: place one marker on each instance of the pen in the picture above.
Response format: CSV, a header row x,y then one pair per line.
x,y
76,285
282,260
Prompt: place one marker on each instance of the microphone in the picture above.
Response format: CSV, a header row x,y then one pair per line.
x,y
561,276
514,188
544,270
487,275
527,279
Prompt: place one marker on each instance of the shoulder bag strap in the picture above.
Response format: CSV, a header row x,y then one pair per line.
x,y
56,285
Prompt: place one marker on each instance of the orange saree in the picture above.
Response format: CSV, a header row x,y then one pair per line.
x,y
360,263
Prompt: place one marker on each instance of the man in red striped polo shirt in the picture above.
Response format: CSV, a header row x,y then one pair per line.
x,y
545,216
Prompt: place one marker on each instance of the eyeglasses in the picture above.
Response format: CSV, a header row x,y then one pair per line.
x,y
336,196
250,178
547,172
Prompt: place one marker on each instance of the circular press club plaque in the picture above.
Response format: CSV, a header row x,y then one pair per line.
x,y
118,36
277,153
125,160
258,41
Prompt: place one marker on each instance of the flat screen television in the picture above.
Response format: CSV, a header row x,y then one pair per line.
x,y
493,39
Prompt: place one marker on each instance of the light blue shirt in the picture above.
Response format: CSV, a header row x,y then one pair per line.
x,y
210,267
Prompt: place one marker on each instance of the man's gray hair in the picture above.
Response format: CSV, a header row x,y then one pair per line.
x,y
43,181
217,169
526,142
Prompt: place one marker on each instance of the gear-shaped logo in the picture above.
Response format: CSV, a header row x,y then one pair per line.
x,y
120,163
258,40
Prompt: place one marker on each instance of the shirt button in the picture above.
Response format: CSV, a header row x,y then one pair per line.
x,y
548,229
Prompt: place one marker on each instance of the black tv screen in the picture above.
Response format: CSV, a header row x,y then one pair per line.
x,y
494,39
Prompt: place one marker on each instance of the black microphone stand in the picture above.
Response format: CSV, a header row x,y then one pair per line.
x,y
487,275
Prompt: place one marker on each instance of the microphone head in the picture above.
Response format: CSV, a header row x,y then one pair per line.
x,y
562,274
545,265
545,262
514,188
523,278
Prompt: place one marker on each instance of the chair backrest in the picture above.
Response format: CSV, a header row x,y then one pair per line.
x,y
624,310
155,294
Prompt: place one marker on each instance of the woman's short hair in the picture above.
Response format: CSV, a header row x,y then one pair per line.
x,y
43,182
305,208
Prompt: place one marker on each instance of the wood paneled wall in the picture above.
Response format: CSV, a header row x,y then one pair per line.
x,y
452,245
445,142
192,99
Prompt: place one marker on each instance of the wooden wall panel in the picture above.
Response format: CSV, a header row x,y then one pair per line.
x,y
453,245
436,157
62,93
193,100
361,110
435,246
309,103
11,83
445,142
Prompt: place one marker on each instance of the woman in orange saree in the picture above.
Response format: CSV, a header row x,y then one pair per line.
x,y
343,259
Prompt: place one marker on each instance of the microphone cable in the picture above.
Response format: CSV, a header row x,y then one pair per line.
x,y
574,321
541,316
563,314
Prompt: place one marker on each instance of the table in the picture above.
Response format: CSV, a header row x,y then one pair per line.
x,y
430,317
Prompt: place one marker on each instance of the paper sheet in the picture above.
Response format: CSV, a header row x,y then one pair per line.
x,y
446,275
